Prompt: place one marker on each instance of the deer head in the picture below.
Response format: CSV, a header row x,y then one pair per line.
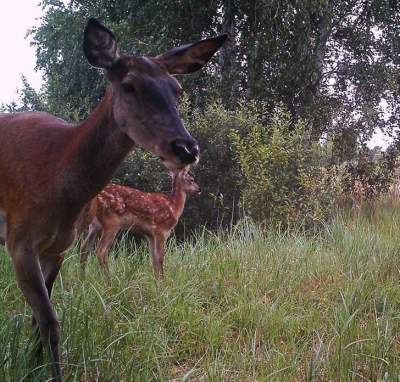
x,y
145,93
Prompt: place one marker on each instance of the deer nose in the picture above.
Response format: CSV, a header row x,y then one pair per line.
x,y
187,151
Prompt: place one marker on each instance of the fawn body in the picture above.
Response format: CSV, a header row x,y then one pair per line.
x,y
152,215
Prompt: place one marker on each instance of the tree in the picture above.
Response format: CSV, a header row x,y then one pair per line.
x,y
329,62
334,65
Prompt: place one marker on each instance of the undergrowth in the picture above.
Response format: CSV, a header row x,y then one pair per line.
x,y
244,305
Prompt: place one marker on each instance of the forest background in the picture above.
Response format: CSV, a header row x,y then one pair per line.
x,y
282,114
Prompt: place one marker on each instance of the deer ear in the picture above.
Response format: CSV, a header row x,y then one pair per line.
x,y
99,45
189,58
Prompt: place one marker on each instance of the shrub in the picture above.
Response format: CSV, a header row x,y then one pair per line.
x,y
286,177
217,173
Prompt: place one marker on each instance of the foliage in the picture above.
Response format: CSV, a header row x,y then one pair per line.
x,y
370,176
332,65
217,172
328,62
285,175
149,27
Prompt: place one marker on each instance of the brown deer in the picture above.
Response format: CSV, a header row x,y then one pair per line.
x,y
152,215
50,169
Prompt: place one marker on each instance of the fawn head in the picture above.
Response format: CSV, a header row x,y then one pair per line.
x,y
145,93
183,179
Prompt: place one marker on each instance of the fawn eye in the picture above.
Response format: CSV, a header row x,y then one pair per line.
x,y
128,88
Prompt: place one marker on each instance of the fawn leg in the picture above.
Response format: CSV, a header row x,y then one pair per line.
x,y
157,249
104,246
89,243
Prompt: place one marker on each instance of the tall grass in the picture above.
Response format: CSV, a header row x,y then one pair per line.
x,y
244,305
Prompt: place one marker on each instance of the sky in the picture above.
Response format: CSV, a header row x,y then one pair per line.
x,y
18,57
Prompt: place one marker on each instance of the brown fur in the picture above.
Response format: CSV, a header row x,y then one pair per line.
x,y
50,169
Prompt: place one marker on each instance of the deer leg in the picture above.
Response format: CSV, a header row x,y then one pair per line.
x,y
157,249
104,246
88,244
33,285
3,227
50,266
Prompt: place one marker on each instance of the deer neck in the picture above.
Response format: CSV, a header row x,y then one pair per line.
x,y
178,198
96,150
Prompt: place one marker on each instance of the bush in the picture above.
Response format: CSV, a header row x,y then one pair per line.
x,y
268,163
286,177
371,175
217,173
273,167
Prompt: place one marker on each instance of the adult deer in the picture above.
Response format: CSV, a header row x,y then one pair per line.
x,y
50,169
152,215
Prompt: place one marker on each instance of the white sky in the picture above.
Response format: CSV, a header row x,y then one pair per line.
x,y
379,139
18,57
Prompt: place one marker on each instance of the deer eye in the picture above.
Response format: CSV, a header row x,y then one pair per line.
x,y
128,88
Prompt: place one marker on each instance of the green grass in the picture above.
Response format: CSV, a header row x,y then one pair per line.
x,y
238,306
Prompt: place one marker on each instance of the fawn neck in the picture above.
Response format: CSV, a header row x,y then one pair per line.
x,y
97,148
178,197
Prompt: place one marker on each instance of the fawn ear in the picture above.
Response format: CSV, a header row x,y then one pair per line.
x,y
99,45
189,58
171,173
185,170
